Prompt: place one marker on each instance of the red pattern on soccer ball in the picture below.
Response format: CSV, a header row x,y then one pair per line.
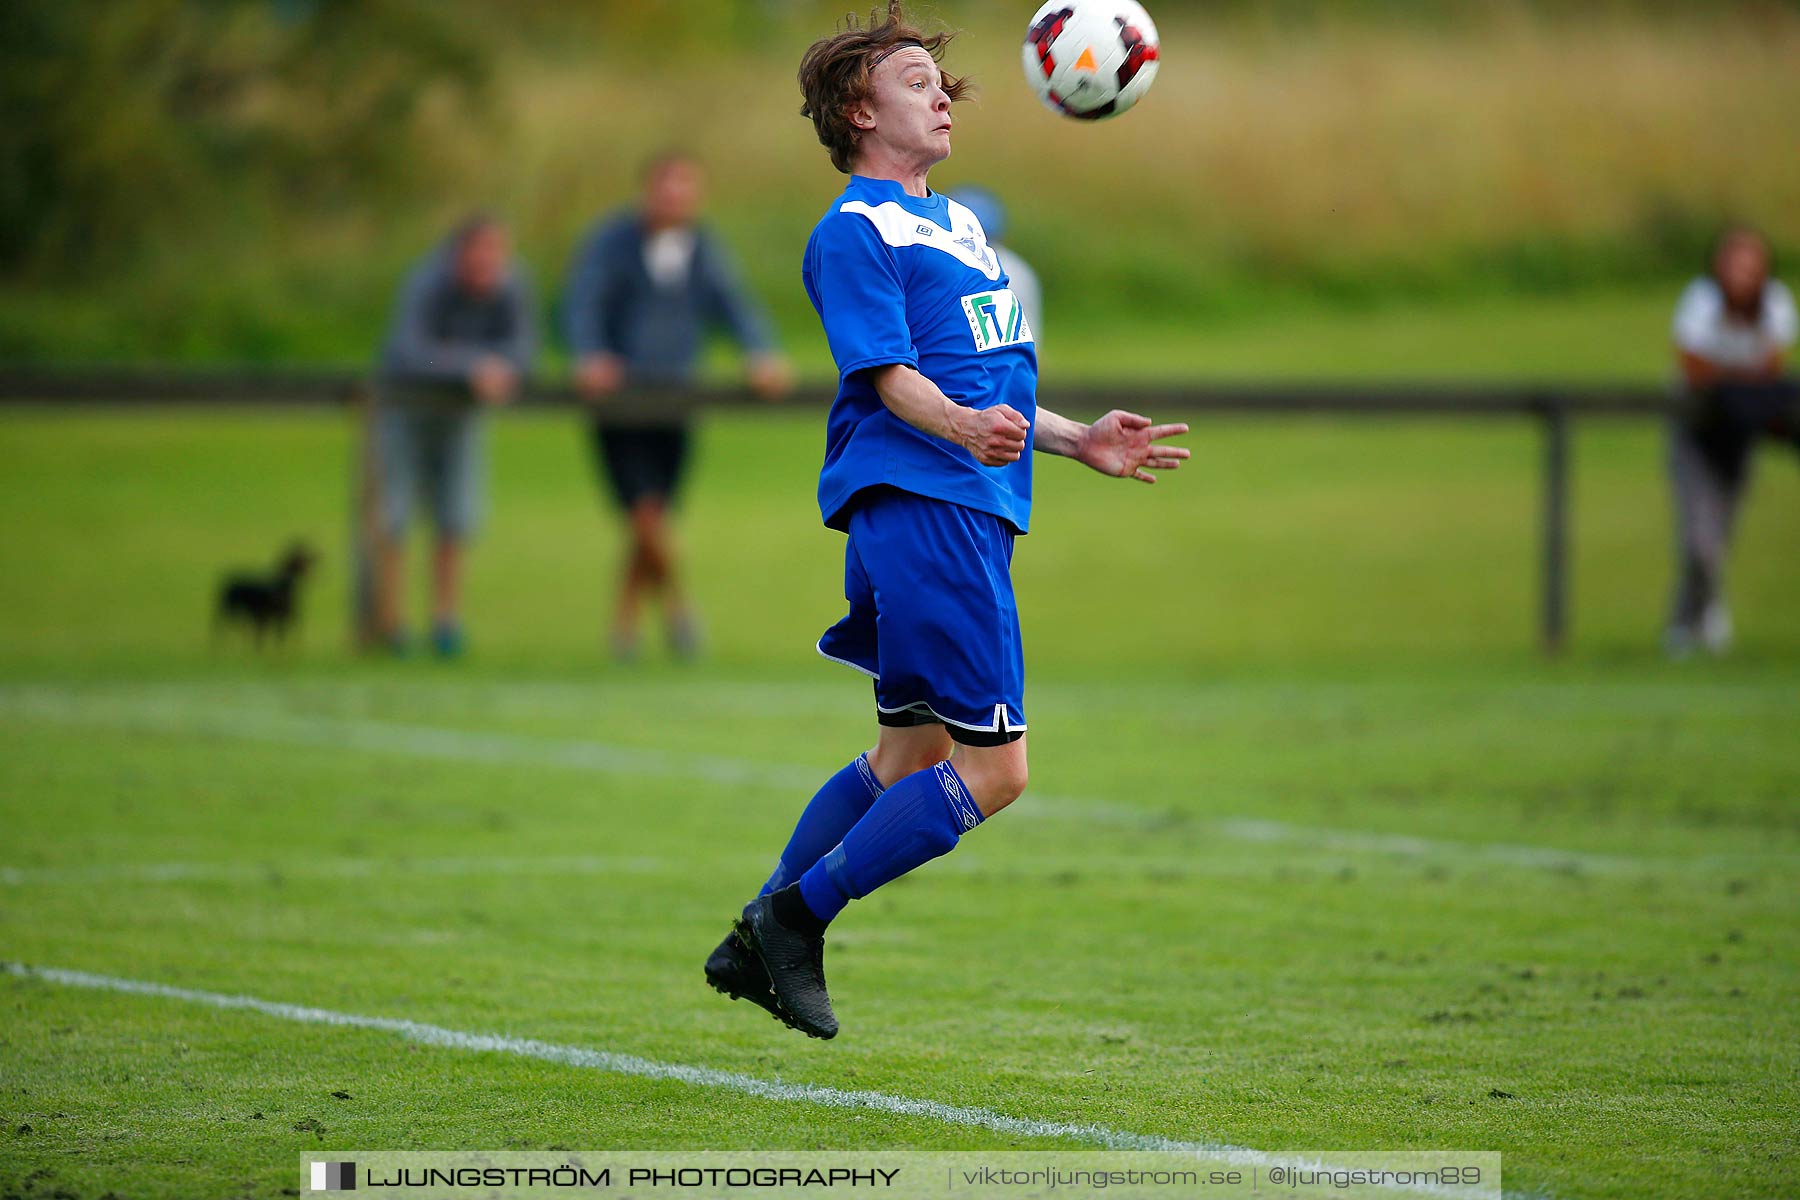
x,y
1137,51
1044,34
1091,114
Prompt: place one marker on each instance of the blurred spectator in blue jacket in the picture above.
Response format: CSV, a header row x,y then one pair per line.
x,y
645,289
1733,328
992,214
461,339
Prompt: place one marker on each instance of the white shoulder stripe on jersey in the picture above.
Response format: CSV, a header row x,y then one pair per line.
x,y
964,241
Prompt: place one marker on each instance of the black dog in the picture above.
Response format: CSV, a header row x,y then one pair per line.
x,y
267,604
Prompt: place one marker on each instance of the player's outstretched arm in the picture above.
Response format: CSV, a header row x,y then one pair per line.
x,y
995,436
1120,444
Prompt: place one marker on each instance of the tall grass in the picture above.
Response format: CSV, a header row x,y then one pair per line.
x,y
1339,154
1348,158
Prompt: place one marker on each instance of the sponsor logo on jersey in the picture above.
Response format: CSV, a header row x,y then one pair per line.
x,y
996,319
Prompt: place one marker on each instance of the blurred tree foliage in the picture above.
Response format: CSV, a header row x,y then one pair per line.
x,y
126,116
245,180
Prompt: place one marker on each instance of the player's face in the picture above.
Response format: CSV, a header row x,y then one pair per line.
x,y
909,108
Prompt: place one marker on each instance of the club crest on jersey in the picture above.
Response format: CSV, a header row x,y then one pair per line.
x,y
978,249
996,319
900,228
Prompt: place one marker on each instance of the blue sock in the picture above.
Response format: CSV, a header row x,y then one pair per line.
x,y
916,820
837,806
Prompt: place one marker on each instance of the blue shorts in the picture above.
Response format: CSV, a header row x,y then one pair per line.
x,y
932,618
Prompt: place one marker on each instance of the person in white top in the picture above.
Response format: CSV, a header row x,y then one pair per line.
x,y
991,213
647,288
1732,330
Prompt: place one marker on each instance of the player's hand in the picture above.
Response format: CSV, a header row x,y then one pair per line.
x,y
598,376
768,376
493,379
995,436
1124,444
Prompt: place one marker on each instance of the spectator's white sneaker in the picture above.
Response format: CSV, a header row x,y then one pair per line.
x,y
684,636
1715,628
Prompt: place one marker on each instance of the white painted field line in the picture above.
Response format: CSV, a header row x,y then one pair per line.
x,y
1250,830
416,741
614,1063
330,868
269,873
457,745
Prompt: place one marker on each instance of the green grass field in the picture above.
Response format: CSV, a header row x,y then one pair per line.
x,y
1318,854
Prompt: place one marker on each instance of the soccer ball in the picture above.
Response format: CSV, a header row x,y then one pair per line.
x,y
1090,59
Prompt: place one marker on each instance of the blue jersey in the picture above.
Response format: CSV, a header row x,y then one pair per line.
x,y
899,279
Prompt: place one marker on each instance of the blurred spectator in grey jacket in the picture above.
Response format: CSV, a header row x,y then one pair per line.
x,y
462,339
645,289
1733,328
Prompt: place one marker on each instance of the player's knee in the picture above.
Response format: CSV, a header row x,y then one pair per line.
x,y
1010,785
996,780
893,762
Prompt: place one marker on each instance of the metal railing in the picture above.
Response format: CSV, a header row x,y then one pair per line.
x,y
1553,407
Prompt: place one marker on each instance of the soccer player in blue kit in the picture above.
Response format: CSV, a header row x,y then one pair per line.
x,y
928,469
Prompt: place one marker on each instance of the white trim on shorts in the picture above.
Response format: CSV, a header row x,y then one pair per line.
x,y
820,647
1000,725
